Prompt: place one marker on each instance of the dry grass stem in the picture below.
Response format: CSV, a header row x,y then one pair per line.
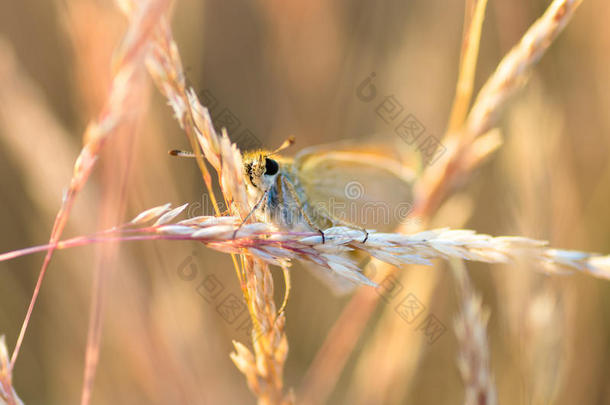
x,y
468,64
122,98
263,241
464,151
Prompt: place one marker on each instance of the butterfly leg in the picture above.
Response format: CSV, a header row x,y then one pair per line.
x,y
258,203
295,196
338,221
366,235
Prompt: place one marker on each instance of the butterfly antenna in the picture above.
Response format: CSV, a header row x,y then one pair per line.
x,y
285,145
181,153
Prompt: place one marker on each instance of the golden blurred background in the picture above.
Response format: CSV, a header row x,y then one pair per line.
x,y
267,70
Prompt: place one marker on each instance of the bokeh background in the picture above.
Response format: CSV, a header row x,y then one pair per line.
x,y
292,68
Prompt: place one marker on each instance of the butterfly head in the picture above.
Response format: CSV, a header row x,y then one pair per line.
x,y
260,170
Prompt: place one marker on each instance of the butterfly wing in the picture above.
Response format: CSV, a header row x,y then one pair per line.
x,y
341,284
336,283
365,187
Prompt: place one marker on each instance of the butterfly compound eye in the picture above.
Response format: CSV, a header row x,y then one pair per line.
x,y
271,167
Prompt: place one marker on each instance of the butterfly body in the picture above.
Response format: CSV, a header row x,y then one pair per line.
x,y
320,188
278,194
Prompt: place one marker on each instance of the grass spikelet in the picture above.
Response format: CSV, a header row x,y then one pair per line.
x,y
264,368
469,145
264,241
510,73
470,329
8,396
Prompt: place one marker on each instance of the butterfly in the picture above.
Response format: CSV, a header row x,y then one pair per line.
x,y
327,186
